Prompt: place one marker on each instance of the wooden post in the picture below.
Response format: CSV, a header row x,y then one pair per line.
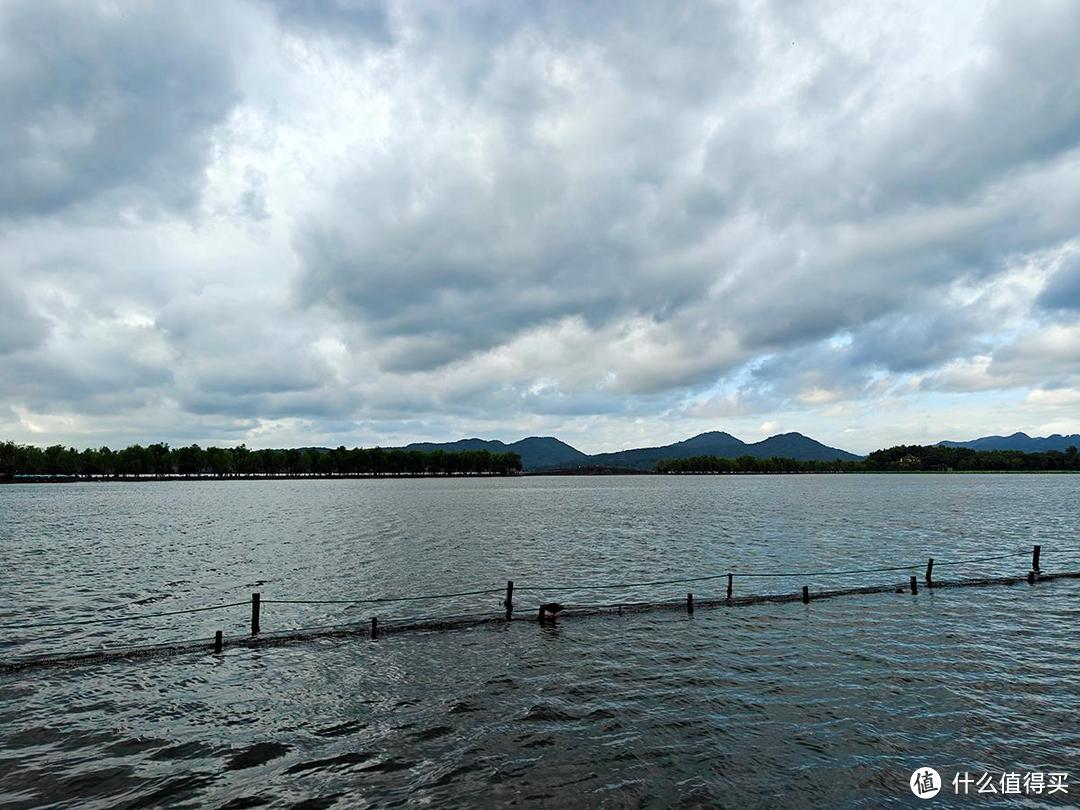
x,y
374,628
1035,558
218,644
914,584
729,578
540,615
805,595
509,600
1031,577
690,604
255,601
930,573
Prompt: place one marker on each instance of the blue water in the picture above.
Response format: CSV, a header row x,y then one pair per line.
x,y
830,704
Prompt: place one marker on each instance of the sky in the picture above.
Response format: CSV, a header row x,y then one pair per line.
x,y
348,222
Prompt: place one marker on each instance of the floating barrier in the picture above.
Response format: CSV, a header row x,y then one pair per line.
x,y
548,611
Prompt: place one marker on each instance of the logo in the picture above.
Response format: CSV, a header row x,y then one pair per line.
x,y
925,783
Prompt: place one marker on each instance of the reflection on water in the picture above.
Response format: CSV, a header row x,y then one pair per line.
x,y
834,703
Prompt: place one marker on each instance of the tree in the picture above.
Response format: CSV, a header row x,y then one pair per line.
x,y
190,460
159,459
267,462
90,462
9,460
219,461
132,461
108,460
242,461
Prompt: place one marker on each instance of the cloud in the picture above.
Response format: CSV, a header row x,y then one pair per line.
x,y
314,219
19,327
1046,357
1049,356
102,100
502,212
1062,291
349,20
529,190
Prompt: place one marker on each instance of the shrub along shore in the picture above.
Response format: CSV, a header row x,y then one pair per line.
x,y
20,462
26,462
903,458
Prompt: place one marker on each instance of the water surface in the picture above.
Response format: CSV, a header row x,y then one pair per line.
x,y
833,703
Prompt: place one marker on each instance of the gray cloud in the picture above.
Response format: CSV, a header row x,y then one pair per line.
x,y
345,19
1049,358
19,327
109,100
317,218
453,242
1062,291
107,377
238,356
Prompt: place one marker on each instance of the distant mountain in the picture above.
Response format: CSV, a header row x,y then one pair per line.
x,y
548,453
1020,441
537,452
797,446
724,445
494,446
714,443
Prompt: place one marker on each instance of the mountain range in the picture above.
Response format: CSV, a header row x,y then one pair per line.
x,y
1020,441
548,453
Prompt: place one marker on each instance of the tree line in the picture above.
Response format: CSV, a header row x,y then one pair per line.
x,y
748,464
902,458
161,461
936,458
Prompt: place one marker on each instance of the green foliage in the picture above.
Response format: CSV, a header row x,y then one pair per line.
x,y
750,464
9,460
159,460
903,458
935,458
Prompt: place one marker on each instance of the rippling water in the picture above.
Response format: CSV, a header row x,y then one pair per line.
x,y
834,703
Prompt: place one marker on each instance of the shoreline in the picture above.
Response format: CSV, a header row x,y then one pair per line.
x,y
599,473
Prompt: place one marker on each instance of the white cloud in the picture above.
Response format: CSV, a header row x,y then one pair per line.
x,y
296,221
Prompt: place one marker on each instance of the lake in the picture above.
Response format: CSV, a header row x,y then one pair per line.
x,y
832,703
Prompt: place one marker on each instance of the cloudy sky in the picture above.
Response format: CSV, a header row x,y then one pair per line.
x,y
623,223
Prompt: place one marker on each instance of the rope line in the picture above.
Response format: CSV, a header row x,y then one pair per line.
x,y
517,588
115,619
311,633
118,652
983,559
377,599
916,566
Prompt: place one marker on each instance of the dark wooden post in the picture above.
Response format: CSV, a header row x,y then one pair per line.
x,y
805,595
540,615
509,600
1031,577
255,599
218,644
1035,558
729,578
690,604
914,584
374,628
930,573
